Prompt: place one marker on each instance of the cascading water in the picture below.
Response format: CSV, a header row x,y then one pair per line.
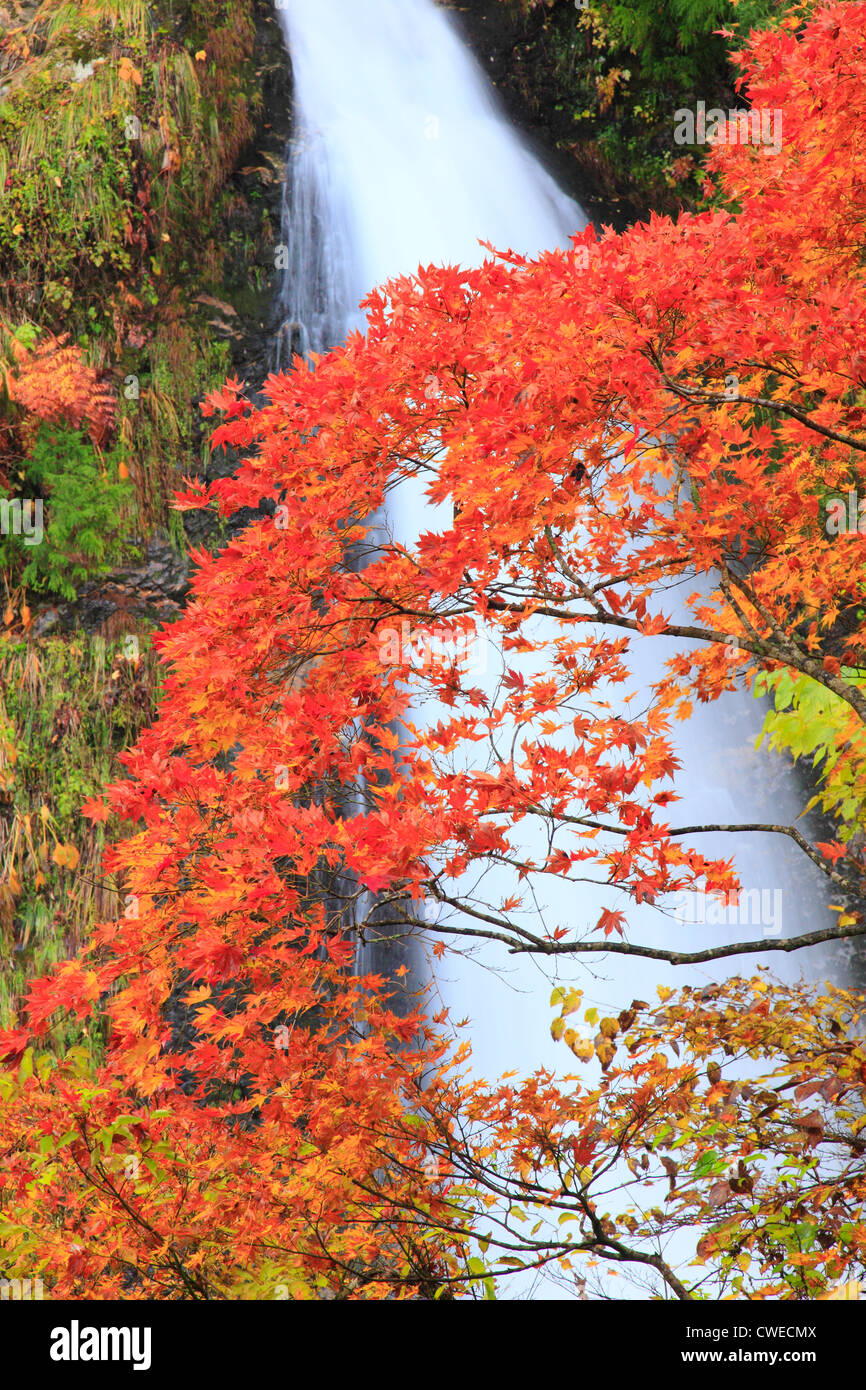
x,y
402,157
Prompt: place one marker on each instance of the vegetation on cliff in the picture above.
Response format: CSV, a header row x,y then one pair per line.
x,y
606,78
120,124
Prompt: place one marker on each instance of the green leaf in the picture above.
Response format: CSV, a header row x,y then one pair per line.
x,y
707,1164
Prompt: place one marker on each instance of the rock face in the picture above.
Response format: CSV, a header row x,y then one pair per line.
x,y
251,276
126,599
497,35
79,678
151,588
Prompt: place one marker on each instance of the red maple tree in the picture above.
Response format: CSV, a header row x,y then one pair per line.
x,y
667,406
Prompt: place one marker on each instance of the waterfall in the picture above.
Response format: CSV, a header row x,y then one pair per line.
x,y
401,156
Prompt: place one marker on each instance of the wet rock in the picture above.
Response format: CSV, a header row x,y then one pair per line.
x,y
46,621
142,593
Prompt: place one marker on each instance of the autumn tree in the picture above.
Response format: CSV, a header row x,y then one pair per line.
x,y
719,1153
642,412
49,379
46,384
667,408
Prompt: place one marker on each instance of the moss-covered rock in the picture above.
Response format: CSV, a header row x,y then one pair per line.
x,y
141,178
120,124
69,705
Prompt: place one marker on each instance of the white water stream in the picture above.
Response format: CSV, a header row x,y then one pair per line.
x,y
401,155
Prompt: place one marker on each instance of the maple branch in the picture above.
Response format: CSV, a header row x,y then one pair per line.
x,y
195,1284
626,1255
642,573
507,1188
788,653
590,823
793,651
541,946
789,657
587,593
789,830
725,586
693,393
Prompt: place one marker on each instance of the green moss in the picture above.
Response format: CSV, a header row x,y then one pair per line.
x,y
68,708
113,172
115,140
160,424
113,220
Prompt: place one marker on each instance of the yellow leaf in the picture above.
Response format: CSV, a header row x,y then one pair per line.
x,y
581,1047
663,993
571,1001
605,1052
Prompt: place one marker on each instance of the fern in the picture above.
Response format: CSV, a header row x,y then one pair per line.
x,y
52,380
85,508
